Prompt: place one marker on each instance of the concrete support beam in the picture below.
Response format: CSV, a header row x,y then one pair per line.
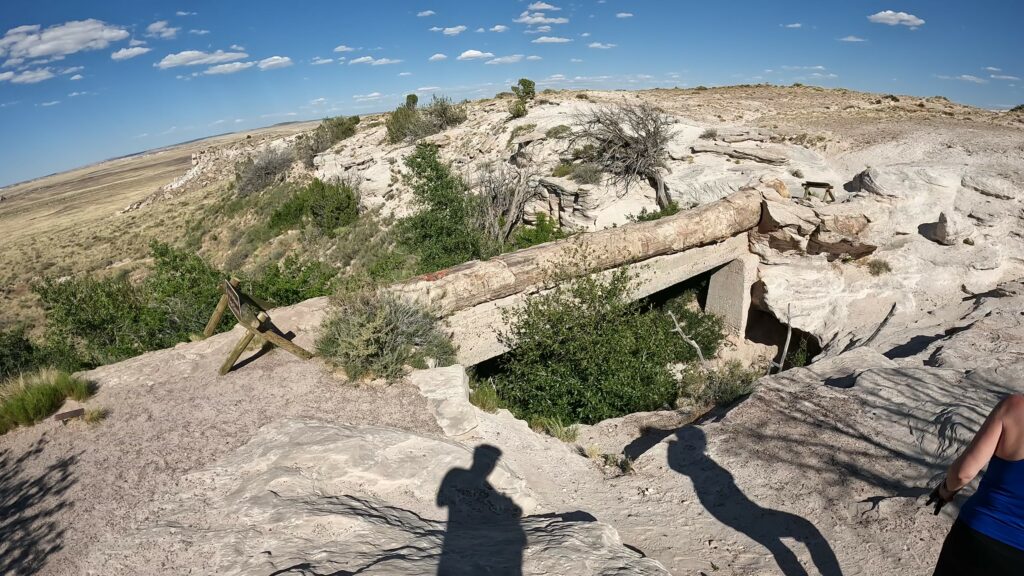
x,y
729,292
475,329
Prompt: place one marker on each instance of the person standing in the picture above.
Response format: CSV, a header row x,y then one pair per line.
x,y
987,538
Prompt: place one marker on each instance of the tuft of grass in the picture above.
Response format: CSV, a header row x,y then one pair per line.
x,y
719,387
30,398
553,426
583,96
96,415
878,267
646,215
485,397
709,134
623,463
562,170
519,131
586,173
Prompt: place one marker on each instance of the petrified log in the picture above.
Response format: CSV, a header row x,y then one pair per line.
x,y
476,282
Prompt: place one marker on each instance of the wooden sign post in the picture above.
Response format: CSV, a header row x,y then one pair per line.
x,y
251,314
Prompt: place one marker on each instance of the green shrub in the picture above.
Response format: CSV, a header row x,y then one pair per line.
x,y
441,233
17,353
28,399
586,173
646,215
291,281
544,230
719,387
379,335
517,108
583,96
798,357
268,167
442,113
408,124
519,131
707,330
1018,108
327,134
411,100
583,353
328,206
559,132
525,89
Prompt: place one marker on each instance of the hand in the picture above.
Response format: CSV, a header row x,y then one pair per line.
x,y
939,497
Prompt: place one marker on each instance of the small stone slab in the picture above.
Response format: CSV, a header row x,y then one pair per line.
x,y
65,416
447,394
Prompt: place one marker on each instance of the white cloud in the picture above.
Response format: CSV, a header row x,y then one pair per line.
x,y
601,46
454,30
230,68
30,76
275,62
373,62
426,13
539,18
965,78
474,55
543,6
318,101
161,29
5,76
133,42
992,69
1003,77
793,25
480,30
72,70
624,15
343,48
318,61
183,13
852,38
556,77
405,73
437,57
896,19
50,103
824,75
538,30
126,53
575,60
370,96
74,94
60,40
13,62
499,28
819,67
533,58
198,57
551,40
428,89
199,32
506,59
435,28
585,35
237,47
76,77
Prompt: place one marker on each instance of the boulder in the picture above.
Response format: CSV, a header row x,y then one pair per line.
x,y
778,215
447,394
949,230
835,245
992,186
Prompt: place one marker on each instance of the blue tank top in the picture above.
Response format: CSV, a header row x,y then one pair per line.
x,y
997,508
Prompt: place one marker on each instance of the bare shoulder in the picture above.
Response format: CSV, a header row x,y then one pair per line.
x,y
1012,405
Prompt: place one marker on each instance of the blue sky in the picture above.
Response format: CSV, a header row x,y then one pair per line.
x,y
84,81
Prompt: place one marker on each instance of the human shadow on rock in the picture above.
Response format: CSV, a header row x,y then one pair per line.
x,y
483,534
722,498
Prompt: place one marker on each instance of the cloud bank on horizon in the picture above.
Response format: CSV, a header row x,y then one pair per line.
x,y
196,67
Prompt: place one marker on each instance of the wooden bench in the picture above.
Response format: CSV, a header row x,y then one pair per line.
x,y
827,196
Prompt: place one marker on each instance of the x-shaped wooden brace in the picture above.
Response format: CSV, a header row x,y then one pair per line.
x,y
252,316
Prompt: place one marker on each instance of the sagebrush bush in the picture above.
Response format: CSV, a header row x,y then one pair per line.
x,y
17,353
517,108
583,353
559,132
877,267
646,215
586,173
291,281
327,134
378,335
525,89
29,398
717,387
266,168
709,134
441,233
328,206
408,124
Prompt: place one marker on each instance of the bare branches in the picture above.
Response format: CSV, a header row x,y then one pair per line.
x,y
629,141
504,193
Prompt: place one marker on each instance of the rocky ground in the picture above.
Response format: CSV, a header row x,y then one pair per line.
x,y
283,468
